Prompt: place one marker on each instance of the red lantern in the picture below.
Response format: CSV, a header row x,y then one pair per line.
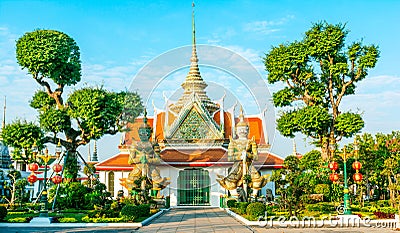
x,y
32,178
57,168
357,177
357,166
334,177
56,179
333,166
33,167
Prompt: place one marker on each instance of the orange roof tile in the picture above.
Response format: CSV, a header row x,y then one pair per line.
x,y
190,157
117,162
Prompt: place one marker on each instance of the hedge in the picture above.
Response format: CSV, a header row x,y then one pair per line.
x,y
256,209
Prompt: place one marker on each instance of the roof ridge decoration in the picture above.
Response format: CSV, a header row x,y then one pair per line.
x,y
194,122
194,83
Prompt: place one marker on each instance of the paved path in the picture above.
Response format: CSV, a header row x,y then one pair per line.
x,y
195,220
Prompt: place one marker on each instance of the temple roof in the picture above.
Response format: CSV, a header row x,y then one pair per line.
x,y
191,158
256,126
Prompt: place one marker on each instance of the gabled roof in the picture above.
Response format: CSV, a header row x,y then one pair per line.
x,y
194,114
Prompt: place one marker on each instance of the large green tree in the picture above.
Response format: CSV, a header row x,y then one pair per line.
x,y
378,154
52,58
318,72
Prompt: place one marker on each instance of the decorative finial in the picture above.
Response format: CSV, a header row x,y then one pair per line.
x,y
294,147
241,118
145,125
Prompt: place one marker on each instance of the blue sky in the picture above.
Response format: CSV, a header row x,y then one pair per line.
x,y
117,38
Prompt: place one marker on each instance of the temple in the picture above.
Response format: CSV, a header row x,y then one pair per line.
x,y
193,136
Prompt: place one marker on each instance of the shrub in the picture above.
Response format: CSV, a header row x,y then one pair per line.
x,y
231,203
355,208
67,220
3,212
382,203
368,209
271,208
105,220
321,206
101,220
322,189
256,209
103,213
241,207
129,212
18,220
388,210
143,210
380,214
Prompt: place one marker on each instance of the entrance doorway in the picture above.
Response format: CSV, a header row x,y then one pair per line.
x,y
193,187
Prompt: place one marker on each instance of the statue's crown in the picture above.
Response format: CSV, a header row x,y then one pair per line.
x,y
241,122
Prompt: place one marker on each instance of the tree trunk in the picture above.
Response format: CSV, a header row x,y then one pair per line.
x,y
71,167
325,151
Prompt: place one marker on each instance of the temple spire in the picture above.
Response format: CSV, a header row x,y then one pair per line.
x,y
193,27
294,147
194,72
4,114
94,156
194,83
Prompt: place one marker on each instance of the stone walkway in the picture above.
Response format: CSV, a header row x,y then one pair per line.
x,y
195,220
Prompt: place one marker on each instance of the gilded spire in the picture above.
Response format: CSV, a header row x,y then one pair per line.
x,y
241,119
194,76
194,83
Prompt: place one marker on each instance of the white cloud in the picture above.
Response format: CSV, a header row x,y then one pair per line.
x,y
266,27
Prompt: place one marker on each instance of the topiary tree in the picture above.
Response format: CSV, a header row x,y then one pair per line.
x,y
290,184
319,71
52,58
256,209
16,187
